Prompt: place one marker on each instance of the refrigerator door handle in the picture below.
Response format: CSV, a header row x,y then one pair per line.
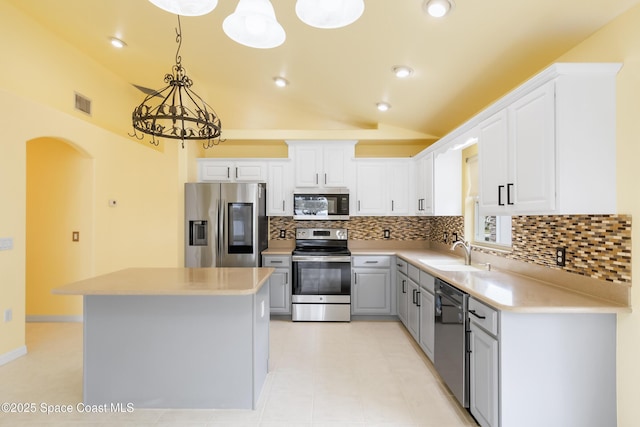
x,y
220,231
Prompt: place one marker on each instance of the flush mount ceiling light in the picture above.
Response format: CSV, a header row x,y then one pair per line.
x,y
116,42
177,112
186,7
329,13
401,71
383,106
254,24
280,81
438,8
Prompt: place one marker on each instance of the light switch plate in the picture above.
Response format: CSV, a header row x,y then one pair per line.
x,y
6,244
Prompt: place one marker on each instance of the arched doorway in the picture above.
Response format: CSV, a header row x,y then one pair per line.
x,y
59,204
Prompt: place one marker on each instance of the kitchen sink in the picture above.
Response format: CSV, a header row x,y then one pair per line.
x,y
448,265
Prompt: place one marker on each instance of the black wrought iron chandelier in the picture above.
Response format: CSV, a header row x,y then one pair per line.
x,y
181,113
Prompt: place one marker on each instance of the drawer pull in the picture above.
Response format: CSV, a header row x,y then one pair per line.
x,y
275,262
371,262
477,315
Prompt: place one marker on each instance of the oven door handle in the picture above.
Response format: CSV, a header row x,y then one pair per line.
x,y
304,258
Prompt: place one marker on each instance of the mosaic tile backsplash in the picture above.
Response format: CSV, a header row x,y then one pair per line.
x,y
597,246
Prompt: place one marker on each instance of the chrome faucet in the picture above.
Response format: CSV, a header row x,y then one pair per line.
x,y
467,250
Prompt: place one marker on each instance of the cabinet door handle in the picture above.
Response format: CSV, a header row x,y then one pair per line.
x,y
317,179
236,173
509,187
358,205
418,298
414,296
283,205
500,187
404,290
228,172
392,208
355,278
286,278
477,315
325,179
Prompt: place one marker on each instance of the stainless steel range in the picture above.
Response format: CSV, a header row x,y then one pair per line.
x,y
321,276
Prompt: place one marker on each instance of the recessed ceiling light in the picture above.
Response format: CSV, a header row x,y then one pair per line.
x,y
280,81
383,106
402,71
438,8
116,42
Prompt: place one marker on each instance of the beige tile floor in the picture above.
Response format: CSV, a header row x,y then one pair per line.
x,y
321,374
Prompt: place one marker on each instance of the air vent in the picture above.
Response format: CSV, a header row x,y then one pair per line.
x,y
83,104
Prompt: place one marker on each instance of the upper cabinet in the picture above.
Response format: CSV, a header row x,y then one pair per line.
x,y
384,187
279,188
439,183
549,146
230,170
322,164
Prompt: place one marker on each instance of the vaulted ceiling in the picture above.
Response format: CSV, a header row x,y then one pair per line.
x,y
461,63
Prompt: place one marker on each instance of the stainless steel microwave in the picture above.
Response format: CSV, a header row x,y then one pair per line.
x,y
325,204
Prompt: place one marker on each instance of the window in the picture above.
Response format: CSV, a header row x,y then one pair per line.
x,y
493,231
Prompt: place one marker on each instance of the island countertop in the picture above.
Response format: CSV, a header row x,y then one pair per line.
x,y
172,281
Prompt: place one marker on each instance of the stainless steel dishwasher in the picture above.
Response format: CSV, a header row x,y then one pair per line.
x,y
451,357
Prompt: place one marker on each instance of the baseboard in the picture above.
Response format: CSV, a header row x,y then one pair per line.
x,y
54,318
13,355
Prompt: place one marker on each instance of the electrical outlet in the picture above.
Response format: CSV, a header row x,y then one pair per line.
x,y
387,234
561,256
455,237
283,234
8,315
445,237
75,236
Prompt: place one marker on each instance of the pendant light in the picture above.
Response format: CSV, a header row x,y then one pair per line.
x,y
186,7
177,112
254,24
329,13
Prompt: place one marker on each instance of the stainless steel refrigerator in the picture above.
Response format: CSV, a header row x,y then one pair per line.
x,y
226,224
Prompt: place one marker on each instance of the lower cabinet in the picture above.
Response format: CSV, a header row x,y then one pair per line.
x,y
483,363
413,311
483,376
427,314
371,290
279,283
402,286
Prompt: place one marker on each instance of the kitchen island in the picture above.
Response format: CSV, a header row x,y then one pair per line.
x,y
175,337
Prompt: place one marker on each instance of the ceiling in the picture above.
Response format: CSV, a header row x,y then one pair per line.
x,y
461,63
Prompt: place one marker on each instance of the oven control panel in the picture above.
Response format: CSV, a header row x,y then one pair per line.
x,y
321,234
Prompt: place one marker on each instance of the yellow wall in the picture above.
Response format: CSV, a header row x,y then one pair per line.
x,y
620,42
59,202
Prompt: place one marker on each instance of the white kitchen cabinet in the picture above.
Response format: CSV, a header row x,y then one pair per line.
x,y
549,146
439,183
279,188
517,160
371,286
229,170
402,290
427,314
424,185
384,187
483,364
279,283
323,164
